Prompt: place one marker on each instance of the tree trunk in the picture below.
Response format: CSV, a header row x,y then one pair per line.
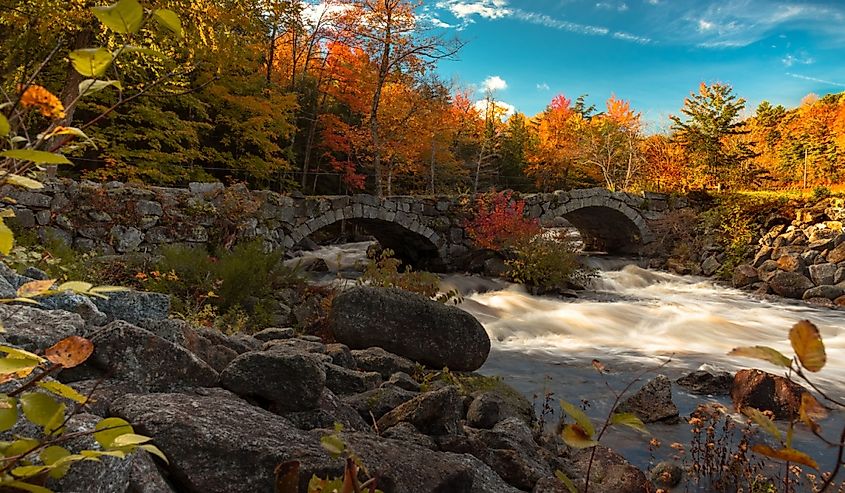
x,y
433,150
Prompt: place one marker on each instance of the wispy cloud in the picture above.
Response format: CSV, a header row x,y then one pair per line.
x,y
801,58
467,11
814,79
543,87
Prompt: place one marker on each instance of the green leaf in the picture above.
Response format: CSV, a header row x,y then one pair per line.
x,y
95,454
124,17
629,420
333,444
32,488
22,181
28,471
21,446
570,486
20,353
763,422
169,20
37,157
763,353
155,451
107,430
63,390
90,86
43,410
7,239
91,62
129,439
8,412
13,365
4,126
54,456
579,417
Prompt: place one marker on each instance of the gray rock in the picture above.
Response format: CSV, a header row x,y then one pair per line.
x,y
380,361
296,344
549,485
653,402
703,382
103,392
666,475
34,329
148,208
274,333
433,413
135,473
837,255
487,409
341,355
823,274
135,306
403,381
790,284
126,352
763,254
375,403
217,443
331,409
827,292
710,266
484,479
35,273
840,275
292,381
7,291
767,392
344,381
744,275
410,325
406,432
126,238
610,472
767,270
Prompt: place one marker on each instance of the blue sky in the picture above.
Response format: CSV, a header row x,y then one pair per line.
x,y
651,52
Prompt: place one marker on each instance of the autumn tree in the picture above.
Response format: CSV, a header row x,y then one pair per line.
x,y
391,32
712,116
555,158
610,143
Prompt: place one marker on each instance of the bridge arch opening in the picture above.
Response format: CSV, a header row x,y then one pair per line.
x,y
605,225
413,244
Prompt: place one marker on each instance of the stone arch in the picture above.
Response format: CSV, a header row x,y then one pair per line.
x,y
606,223
413,242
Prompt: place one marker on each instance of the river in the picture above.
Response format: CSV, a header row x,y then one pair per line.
x,y
632,319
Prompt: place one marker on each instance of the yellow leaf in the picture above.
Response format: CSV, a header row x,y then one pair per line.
x,y
808,346
7,239
576,437
35,288
63,390
787,455
129,439
762,353
578,415
20,353
155,451
22,181
7,213
763,422
76,286
629,420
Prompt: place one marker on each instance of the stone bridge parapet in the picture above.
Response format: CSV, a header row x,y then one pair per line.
x,y
122,218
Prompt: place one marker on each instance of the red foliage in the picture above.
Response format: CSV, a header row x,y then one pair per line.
x,y
499,222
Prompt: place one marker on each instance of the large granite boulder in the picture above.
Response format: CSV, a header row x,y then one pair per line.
x,y
767,392
291,381
790,284
34,329
410,325
653,402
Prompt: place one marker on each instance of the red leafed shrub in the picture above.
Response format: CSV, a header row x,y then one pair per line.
x,y
499,223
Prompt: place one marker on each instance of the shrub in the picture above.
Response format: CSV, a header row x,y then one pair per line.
x,y
499,222
385,271
820,193
235,281
546,263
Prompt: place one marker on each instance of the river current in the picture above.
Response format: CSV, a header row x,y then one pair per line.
x,y
632,319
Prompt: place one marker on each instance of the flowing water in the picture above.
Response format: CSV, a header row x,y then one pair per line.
x,y
632,319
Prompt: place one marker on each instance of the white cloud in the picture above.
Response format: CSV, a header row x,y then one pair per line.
x,y
621,7
632,38
323,11
502,109
466,9
653,2
814,79
543,87
704,25
494,83
547,21
801,58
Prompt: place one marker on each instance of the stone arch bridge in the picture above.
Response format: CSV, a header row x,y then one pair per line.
x,y
426,231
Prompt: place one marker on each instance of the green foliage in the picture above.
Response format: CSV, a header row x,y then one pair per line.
x,y
386,272
28,461
233,282
546,263
820,193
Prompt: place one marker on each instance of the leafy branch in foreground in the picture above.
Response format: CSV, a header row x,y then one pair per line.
x,y
810,355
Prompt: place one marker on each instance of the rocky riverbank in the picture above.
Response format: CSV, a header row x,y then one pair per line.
x,y
228,409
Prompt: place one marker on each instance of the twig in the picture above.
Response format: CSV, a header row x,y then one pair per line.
x,y
839,458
